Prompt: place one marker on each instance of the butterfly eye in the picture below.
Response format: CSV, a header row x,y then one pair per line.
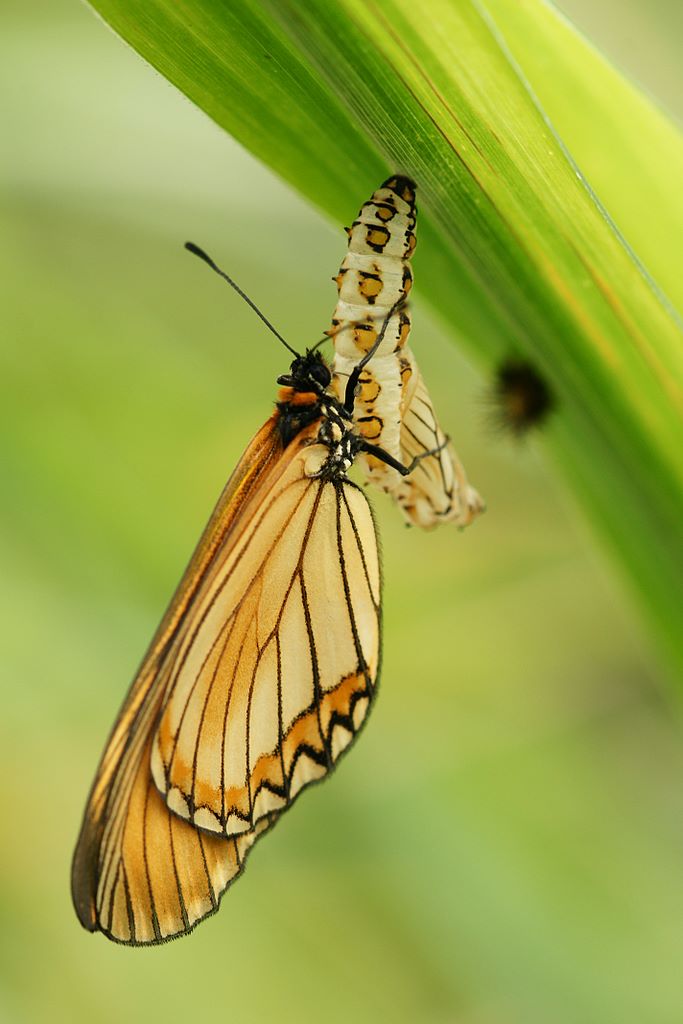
x,y
321,374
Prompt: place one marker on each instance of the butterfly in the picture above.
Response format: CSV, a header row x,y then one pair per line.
x,y
259,677
393,409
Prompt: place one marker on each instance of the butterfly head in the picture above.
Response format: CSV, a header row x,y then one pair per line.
x,y
307,374
303,396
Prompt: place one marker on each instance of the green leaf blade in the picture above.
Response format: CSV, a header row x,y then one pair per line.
x,y
517,253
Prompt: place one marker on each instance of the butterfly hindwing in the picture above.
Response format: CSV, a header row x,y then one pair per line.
x,y
277,664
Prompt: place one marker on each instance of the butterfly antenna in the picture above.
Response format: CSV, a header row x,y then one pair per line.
x,y
196,251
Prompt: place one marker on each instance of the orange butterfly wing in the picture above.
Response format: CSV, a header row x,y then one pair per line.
x,y
276,671
124,878
141,873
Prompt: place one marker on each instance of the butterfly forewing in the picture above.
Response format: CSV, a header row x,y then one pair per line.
x,y
123,869
157,876
393,409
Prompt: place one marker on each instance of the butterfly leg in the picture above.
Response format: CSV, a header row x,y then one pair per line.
x,y
379,453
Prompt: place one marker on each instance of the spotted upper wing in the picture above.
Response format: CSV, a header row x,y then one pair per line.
x,y
393,409
141,873
276,668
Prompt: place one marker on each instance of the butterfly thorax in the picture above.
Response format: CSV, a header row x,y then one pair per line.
x,y
303,400
337,434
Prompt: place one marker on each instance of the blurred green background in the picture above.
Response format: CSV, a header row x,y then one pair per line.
x,y
506,842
